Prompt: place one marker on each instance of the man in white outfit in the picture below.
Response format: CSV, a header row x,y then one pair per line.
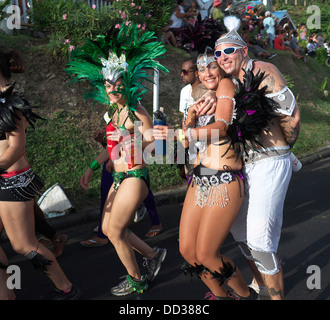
x,y
257,227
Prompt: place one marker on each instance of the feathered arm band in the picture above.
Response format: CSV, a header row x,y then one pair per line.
x,y
254,114
12,102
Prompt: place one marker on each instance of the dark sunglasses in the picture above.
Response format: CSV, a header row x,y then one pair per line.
x,y
226,51
186,72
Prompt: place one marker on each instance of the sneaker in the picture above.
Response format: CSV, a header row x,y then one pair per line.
x,y
129,286
140,213
262,291
153,265
73,294
253,295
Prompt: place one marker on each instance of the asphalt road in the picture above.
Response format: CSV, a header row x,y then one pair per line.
x,y
304,250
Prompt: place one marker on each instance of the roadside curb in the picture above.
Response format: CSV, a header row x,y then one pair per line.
x,y
319,155
162,198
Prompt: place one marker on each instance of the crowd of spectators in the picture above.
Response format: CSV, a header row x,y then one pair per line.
x,y
260,29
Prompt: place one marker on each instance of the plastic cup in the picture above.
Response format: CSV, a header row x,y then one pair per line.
x,y
296,164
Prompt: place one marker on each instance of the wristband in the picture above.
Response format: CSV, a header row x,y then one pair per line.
x,y
94,165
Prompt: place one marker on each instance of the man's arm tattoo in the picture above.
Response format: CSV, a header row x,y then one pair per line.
x,y
290,130
198,92
274,293
269,81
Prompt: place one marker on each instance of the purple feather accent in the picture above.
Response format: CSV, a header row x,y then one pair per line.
x,y
249,112
239,133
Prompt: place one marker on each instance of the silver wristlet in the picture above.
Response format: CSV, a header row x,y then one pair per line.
x,y
234,110
227,123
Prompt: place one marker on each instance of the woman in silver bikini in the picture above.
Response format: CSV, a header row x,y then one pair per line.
x,y
215,193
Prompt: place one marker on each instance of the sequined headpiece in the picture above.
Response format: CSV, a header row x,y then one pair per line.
x,y
204,60
114,67
127,55
232,24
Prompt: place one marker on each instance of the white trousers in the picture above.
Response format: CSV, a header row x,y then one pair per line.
x,y
259,221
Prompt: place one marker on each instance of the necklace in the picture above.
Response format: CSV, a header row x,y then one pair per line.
x,y
118,114
113,108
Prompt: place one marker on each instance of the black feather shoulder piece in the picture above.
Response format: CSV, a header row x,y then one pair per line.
x,y
12,102
254,113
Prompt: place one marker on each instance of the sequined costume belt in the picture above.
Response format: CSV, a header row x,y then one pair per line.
x,y
211,185
23,186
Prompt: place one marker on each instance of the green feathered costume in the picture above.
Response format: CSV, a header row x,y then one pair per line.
x,y
139,52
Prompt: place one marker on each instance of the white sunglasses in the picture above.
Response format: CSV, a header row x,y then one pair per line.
x,y
227,51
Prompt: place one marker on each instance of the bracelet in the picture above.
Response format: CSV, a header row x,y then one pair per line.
x,y
184,124
94,165
181,135
227,123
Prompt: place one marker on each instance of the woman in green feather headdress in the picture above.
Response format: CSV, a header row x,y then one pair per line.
x,y
115,69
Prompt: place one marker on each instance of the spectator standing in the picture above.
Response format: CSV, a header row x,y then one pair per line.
x,y
320,40
302,32
217,14
269,24
189,74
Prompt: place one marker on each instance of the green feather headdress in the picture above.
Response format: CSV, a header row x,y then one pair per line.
x,y
128,55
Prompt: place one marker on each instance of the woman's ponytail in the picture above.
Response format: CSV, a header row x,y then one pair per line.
x,y
10,62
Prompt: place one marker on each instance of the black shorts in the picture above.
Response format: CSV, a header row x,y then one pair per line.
x,y
23,186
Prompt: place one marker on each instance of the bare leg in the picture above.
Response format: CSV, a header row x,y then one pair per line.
x,y
214,227
118,214
202,232
140,246
275,284
256,274
18,220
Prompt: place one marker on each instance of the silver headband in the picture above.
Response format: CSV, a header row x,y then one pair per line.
x,y
204,60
